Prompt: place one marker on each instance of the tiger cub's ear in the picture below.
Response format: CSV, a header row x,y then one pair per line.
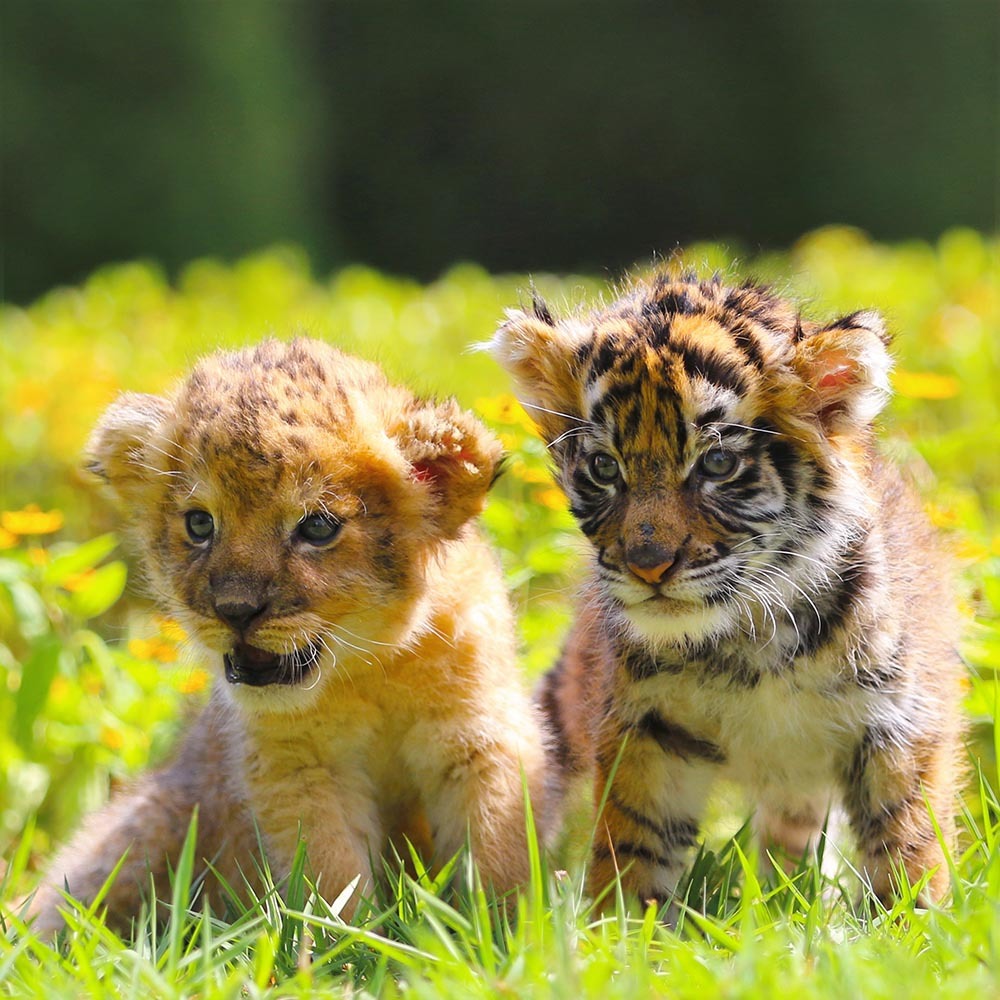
x,y
118,448
846,365
453,458
541,357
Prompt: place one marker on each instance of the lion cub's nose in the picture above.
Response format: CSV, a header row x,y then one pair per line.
x,y
651,562
239,614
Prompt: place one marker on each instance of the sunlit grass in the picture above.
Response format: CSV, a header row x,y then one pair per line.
x,y
444,935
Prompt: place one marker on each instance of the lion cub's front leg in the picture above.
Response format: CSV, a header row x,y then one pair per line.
x,y
473,783
293,794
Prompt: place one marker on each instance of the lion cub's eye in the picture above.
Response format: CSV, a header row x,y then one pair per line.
x,y
200,525
318,529
603,467
717,463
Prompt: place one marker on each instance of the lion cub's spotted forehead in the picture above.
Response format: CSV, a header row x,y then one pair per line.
x,y
279,414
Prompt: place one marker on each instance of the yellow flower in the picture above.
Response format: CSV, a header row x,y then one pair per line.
x,y
970,549
76,581
504,409
7,539
925,385
169,628
553,498
194,682
30,396
141,649
92,683
60,688
31,520
152,649
111,738
536,475
941,517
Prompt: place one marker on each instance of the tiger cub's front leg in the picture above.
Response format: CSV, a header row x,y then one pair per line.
x,y
653,776
894,795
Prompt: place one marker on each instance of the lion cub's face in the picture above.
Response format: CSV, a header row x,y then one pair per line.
x,y
285,500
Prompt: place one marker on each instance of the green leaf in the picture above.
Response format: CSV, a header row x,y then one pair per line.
x,y
98,591
11,570
29,609
36,679
97,649
79,559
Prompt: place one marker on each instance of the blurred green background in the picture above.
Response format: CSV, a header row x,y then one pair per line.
x,y
525,135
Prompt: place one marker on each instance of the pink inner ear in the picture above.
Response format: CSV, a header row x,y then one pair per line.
x,y
429,471
837,376
423,472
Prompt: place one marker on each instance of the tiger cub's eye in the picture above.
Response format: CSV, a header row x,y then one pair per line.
x,y
603,467
318,529
717,463
200,525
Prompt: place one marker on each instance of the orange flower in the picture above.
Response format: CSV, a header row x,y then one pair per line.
x,y
531,475
925,385
111,738
169,628
553,498
31,520
194,682
152,649
76,581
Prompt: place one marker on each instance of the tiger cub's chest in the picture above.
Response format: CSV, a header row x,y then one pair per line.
x,y
781,730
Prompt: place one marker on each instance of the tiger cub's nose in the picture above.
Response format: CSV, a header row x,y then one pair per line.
x,y
650,562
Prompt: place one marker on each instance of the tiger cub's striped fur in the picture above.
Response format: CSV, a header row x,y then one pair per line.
x,y
766,601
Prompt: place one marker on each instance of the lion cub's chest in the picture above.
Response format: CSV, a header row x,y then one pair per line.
x,y
353,747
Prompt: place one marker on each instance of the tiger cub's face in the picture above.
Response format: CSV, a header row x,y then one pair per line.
x,y
285,500
710,443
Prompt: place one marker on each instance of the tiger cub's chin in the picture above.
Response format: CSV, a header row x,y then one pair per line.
x,y
669,620
767,601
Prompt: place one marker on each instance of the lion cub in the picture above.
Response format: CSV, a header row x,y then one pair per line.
x,y
312,529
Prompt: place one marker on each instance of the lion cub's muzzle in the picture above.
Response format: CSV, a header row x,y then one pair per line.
x,y
256,667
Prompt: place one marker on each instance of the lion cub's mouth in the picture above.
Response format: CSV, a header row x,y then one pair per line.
x,y
247,664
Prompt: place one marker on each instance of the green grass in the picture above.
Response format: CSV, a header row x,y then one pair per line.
x,y
91,689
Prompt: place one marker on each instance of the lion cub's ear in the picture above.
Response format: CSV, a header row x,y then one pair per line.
x,y
846,367
453,457
541,357
118,447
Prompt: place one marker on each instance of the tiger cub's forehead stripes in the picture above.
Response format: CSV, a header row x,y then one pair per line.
x,y
675,356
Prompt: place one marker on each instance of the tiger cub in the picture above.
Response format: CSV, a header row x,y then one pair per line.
x,y
766,601
312,527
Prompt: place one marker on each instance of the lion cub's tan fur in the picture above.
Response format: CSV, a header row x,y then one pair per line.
x,y
411,715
